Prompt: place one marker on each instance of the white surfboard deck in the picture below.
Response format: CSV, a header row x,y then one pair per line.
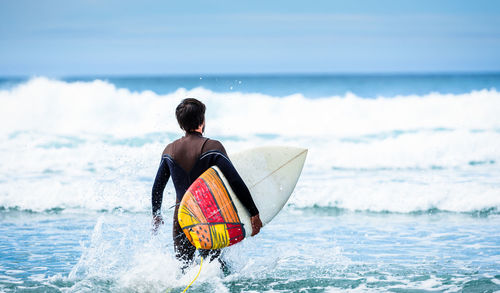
x,y
270,174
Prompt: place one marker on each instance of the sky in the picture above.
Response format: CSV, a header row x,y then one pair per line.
x,y
106,37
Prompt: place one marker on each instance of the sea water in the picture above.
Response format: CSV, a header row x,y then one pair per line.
x,y
400,191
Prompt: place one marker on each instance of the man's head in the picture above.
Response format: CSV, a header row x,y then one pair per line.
x,y
190,114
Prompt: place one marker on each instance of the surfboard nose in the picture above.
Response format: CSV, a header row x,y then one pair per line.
x,y
289,155
301,154
270,173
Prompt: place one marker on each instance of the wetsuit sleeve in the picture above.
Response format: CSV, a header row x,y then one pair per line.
x,y
161,180
239,187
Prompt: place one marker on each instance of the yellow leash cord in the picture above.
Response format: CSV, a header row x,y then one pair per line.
x,y
201,263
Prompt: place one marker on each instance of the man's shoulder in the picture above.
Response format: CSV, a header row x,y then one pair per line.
x,y
213,145
168,149
213,142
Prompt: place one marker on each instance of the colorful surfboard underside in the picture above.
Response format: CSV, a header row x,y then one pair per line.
x,y
207,214
211,215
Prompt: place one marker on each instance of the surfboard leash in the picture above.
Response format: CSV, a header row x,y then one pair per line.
x,y
201,263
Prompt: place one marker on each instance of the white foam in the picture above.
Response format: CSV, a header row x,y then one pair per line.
x,y
398,191
124,255
99,107
60,145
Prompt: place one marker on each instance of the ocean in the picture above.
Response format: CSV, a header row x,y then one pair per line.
x,y
400,191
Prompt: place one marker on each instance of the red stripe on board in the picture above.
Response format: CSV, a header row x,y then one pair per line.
x,y
235,232
206,201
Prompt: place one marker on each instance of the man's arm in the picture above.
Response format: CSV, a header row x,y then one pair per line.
x,y
239,187
157,193
241,190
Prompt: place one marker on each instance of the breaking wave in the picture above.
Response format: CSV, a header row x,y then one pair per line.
x,y
91,145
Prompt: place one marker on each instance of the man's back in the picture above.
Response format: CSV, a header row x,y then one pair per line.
x,y
185,160
187,150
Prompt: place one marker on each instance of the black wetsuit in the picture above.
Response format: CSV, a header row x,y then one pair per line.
x,y
185,160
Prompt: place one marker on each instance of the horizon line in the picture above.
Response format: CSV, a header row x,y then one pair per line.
x,y
254,74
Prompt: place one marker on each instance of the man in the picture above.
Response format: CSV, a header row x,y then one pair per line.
x,y
185,160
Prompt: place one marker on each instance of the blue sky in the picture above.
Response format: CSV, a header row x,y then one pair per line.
x,y
61,38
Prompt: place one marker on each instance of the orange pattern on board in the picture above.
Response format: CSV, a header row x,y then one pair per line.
x,y
207,214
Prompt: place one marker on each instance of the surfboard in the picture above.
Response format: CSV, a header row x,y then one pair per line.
x,y
211,215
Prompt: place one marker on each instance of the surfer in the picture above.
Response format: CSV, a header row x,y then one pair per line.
x,y
185,160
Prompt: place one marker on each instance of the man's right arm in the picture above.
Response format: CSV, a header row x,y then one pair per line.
x,y
237,184
241,190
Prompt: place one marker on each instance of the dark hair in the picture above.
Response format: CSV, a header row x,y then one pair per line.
x,y
190,114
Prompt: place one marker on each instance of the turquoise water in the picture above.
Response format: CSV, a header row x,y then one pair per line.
x,y
311,86
345,250
399,192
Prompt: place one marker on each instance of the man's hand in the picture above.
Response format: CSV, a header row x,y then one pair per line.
x,y
256,224
157,221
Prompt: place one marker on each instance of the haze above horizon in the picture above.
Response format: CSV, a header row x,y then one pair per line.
x,y
87,37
